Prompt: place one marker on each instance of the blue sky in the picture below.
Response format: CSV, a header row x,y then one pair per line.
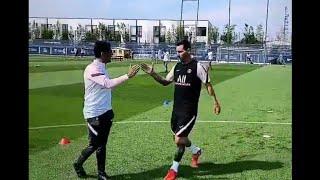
x,y
252,12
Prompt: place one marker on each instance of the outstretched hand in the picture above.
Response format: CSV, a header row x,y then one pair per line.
x,y
133,70
147,68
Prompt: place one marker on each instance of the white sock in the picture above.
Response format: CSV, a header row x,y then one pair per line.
x,y
175,166
194,149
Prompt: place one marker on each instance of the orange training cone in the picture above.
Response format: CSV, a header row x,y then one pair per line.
x,y
64,141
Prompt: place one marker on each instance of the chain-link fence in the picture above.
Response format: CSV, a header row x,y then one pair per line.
x,y
254,54
221,53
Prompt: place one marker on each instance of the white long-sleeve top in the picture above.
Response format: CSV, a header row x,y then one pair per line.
x,y
97,93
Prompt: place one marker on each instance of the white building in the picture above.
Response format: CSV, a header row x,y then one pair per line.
x,y
139,30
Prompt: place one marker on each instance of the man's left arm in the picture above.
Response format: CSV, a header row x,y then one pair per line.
x,y
216,106
203,75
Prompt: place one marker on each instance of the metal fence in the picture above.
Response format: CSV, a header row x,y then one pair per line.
x,y
253,53
221,53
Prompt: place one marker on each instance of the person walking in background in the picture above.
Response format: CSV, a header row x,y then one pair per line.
x,y
166,59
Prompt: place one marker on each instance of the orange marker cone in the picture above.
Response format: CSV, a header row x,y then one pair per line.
x,y
65,141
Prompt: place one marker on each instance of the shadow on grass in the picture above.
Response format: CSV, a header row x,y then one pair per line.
x,y
206,168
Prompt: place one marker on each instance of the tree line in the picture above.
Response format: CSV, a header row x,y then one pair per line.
x,y
170,35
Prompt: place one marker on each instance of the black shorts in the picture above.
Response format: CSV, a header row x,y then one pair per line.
x,y
182,123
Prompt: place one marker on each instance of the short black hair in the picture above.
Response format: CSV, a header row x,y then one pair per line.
x,y
101,46
186,44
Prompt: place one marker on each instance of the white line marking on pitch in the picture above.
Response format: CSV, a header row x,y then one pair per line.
x,y
127,122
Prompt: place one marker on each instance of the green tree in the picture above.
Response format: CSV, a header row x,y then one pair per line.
x,y
35,30
179,32
213,34
47,34
228,34
65,35
109,35
126,36
71,34
168,37
102,29
260,33
90,36
174,35
249,36
117,36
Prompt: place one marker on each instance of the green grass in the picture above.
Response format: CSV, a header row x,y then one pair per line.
x,y
58,58
145,150
36,67
62,104
56,78
52,106
257,96
222,72
52,64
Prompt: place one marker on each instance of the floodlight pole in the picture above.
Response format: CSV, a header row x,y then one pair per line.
x,y
75,38
195,44
265,36
91,26
180,32
197,19
229,31
47,23
196,24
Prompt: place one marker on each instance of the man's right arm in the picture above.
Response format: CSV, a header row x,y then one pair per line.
x,y
98,76
160,79
164,81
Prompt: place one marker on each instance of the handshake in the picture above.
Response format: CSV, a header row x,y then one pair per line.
x,y
133,70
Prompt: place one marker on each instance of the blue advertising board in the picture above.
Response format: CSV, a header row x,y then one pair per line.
x,y
34,50
71,51
44,50
58,51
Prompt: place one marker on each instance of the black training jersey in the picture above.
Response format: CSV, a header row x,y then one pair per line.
x,y
188,86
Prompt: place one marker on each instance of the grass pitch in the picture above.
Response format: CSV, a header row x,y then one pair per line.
x,y
140,144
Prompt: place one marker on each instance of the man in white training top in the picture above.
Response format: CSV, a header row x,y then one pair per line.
x,y
97,108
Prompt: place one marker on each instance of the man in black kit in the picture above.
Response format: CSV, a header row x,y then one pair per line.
x,y
187,76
